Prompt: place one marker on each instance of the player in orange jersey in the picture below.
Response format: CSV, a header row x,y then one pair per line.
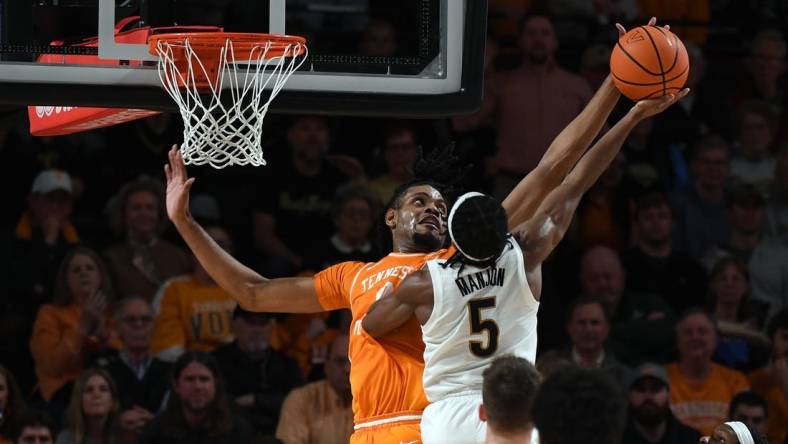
x,y
386,374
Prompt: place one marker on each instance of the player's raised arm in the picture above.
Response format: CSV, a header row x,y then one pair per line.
x,y
413,296
253,292
539,236
563,153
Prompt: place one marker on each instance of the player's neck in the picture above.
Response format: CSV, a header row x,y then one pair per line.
x,y
519,438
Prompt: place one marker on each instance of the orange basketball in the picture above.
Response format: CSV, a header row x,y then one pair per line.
x,y
649,62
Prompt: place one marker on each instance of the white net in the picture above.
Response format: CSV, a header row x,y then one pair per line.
x,y
222,133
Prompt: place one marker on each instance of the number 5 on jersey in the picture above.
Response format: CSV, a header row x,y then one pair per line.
x,y
480,325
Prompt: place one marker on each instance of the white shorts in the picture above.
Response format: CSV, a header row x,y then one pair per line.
x,y
454,420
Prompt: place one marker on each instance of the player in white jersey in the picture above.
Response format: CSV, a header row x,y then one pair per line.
x,y
483,302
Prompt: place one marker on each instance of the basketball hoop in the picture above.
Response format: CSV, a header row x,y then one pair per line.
x,y
242,66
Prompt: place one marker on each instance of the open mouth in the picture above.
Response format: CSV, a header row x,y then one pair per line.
x,y
432,222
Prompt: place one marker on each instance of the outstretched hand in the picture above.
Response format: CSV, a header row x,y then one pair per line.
x,y
646,108
178,186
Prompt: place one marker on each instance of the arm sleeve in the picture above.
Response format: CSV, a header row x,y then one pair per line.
x,y
168,332
293,425
334,283
56,348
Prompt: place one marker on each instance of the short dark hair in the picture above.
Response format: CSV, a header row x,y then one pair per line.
x,y
747,398
778,322
347,193
510,385
32,418
706,143
651,200
581,301
579,405
478,227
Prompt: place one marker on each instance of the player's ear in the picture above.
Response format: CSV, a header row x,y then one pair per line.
x,y
391,218
482,413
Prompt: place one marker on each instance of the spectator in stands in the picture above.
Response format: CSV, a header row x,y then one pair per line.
x,y
741,345
747,221
141,378
602,214
257,377
34,427
700,390
771,381
752,162
320,413
508,392
653,265
29,259
579,405
197,411
73,327
641,324
12,405
193,312
588,327
399,151
531,104
142,261
298,193
354,211
552,361
379,39
650,420
777,204
700,214
764,79
750,409
648,164
769,271
92,415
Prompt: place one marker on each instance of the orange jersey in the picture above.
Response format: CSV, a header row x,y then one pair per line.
x,y
385,373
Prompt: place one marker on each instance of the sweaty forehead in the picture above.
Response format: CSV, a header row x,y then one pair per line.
x,y
427,190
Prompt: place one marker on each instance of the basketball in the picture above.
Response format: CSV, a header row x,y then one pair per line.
x,y
649,62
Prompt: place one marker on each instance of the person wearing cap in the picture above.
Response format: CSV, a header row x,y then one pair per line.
x,y
257,376
650,419
29,260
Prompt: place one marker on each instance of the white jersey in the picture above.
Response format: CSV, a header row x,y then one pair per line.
x,y
477,315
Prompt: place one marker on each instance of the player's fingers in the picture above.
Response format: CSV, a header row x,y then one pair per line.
x,y
167,173
621,29
188,184
666,27
652,21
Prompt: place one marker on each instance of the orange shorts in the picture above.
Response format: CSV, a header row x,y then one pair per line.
x,y
397,433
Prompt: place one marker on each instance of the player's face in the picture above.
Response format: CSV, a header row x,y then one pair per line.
x,y
696,338
722,435
753,416
196,387
648,401
420,218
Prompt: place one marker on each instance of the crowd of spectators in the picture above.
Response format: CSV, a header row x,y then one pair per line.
x,y
673,279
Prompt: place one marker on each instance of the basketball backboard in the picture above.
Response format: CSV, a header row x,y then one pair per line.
x,y
413,58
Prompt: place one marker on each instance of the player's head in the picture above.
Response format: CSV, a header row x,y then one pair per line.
x,y
510,385
415,217
579,405
734,432
478,228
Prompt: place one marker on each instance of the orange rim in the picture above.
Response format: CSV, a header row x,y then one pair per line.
x,y
243,43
